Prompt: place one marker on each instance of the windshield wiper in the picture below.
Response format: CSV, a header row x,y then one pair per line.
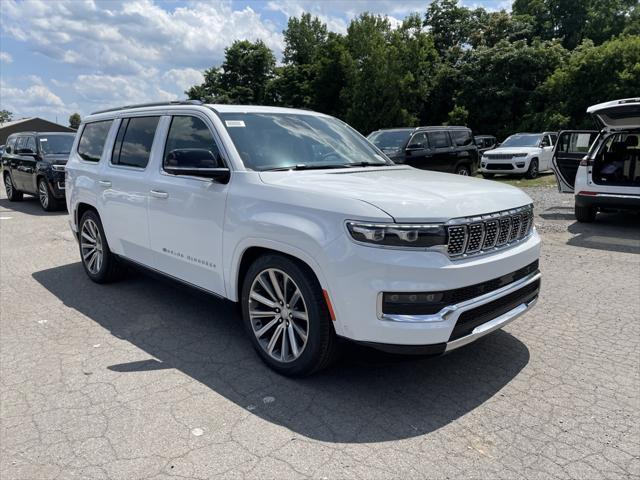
x,y
302,166
367,164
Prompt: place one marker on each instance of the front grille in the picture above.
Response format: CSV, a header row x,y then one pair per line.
x,y
475,235
484,313
499,166
458,295
499,156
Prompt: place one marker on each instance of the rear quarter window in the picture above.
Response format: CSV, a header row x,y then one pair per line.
x,y
461,137
92,140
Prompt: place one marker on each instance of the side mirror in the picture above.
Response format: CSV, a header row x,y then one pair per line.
x,y
197,162
7,150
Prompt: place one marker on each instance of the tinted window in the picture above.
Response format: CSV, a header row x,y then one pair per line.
x,y
30,145
133,142
439,139
94,136
462,137
576,142
190,144
20,143
56,144
11,143
419,140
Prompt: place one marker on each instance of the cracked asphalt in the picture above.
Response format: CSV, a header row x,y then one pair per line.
x,y
144,379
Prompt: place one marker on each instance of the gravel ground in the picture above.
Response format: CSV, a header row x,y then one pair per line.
x,y
145,379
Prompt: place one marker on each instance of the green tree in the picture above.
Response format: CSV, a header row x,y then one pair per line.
x,y
74,120
5,116
243,77
303,38
458,116
591,75
450,24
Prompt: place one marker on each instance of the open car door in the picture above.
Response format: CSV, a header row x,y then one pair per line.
x,y
570,149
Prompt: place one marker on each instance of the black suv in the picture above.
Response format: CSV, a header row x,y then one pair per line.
x,y
445,149
33,163
485,142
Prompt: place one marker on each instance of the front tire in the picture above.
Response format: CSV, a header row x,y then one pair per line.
x,y
488,176
532,172
47,201
99,263
286,317
585,214
13,195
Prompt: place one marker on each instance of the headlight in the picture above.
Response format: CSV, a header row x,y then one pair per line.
x,y
398,235
520,154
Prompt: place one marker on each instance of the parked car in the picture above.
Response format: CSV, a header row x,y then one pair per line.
x,y
1,150
34,163
485,142
301,220
525,154
444,149
602,168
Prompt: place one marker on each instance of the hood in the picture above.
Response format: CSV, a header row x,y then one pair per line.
x,y
618,114
512,150
407,194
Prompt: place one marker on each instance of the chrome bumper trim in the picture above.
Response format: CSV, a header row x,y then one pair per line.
x,y
448,312
491,325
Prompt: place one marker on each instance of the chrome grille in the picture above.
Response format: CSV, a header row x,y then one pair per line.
x,y
499,156
476,235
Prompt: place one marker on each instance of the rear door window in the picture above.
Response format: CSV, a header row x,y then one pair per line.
x,y
439,139
576,142
133,143
94,136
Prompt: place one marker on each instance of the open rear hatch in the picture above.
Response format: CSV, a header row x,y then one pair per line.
x,y
619,114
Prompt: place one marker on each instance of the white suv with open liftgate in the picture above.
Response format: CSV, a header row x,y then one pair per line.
x,y
306,224
602,168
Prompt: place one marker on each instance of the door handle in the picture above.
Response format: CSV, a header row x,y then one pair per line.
x,y
158,194
104,183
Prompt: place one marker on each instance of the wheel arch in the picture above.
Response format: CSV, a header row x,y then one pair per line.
x,y
81,208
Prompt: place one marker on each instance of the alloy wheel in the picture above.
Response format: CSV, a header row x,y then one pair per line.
x,y
43,194
278,314
91,246
8,186
463,172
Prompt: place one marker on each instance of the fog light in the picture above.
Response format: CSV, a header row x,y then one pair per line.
x,y
520,164
418,303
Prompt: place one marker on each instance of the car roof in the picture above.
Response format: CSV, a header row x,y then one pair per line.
x,y
33,132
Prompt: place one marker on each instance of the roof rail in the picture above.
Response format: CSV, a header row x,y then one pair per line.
x,y
153,104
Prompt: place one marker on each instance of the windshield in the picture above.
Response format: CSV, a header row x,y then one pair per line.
x,y
390,140
522,140
276,141
56,144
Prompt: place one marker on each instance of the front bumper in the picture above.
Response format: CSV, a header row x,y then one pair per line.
x,y
360,273
513,167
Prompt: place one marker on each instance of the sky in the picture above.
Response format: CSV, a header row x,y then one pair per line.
x,y
63,56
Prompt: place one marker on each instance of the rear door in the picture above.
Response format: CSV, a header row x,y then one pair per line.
x,y
570,149
444,155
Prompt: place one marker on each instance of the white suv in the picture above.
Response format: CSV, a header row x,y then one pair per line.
x,y
602,168
525,154
306,224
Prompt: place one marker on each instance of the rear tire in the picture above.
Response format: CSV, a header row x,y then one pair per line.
x,y
463,170
278,293
585,214
99,263
47,201
532,172
13,195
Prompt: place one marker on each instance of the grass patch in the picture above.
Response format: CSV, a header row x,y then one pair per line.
x,y
544,180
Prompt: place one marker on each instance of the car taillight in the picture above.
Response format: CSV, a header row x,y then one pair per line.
x,y
586,162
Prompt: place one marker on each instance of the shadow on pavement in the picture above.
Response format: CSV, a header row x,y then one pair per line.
x,y
30,206
618,232
366,397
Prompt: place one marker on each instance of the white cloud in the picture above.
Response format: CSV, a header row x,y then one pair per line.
x,y
5,57
34,100
184,78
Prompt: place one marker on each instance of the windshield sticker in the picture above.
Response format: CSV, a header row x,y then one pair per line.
x,y
43,139
234,123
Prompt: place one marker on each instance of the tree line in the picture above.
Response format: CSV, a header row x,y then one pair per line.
x,y
535,68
